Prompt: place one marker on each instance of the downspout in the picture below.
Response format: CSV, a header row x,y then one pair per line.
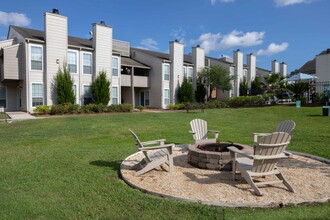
x,y
27,76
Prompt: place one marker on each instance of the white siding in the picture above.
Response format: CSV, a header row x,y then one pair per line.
x,y
238,70
198,58
251,63
176,76
323,67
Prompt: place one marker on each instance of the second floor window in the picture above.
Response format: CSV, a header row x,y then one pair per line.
x,y
87,63
72,61
190,74
166,71
115,66
36,57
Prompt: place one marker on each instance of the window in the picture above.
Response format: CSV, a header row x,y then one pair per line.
x,y
115,66
3,95
37,94
114,95
166,71
72,61
190,74
74,88
245,72
87,63
166,97
36,57
184,71
231,71
87,95
146,98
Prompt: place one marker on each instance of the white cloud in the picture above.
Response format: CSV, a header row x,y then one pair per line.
x,y
217,42
284,3
149,44
14,18
273,48
179,35
213,2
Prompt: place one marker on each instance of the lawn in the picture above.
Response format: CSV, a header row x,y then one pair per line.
x,y
68,167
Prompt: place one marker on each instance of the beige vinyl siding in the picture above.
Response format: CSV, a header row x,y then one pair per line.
x,y
56,35
13,62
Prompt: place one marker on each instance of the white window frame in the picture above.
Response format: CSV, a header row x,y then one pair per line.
x,y
112,66
30,57
83,98
75,92
184,71
190,78
43,93
82,63
5,96
77,63
112,95
145,97
166,77
166,95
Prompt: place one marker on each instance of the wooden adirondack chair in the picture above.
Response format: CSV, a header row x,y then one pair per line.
x,y
162,156
200,132
284,126
268,150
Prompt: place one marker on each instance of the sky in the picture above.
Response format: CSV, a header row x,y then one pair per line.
x,y
290,31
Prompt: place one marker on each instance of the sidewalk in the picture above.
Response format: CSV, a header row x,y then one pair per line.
x,y
19,116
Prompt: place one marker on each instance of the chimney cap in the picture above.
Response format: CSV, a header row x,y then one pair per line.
x,y
238,49
55,11
275,60
176,40
198,45
102,22
251,53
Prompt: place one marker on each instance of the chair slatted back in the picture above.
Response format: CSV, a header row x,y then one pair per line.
x,y
199,126
276,144
286,126
138,143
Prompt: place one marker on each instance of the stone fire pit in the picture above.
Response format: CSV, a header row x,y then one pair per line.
x,y
213,156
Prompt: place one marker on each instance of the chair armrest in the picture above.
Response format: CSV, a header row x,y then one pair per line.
x,y
156,147
160,141
213,131
243,153
288,154
192,132
256,135
279,156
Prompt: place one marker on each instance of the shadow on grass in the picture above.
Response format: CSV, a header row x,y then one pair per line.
x,y
114,165
314,116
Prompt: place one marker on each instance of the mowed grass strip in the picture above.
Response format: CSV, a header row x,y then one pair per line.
x,y
68,167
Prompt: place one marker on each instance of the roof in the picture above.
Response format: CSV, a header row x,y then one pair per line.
x,y
33,34
327,51
308,67
126,61
164,56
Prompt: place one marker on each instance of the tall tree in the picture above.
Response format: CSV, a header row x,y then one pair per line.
x,y
256,86
185,91
243,87
200,91
100,89
274,83
64,86
215,77
298,89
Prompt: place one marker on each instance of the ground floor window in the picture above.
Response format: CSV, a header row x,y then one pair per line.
x,y
166,97
114,95
87,95
37,94
3,95
147,98
74,88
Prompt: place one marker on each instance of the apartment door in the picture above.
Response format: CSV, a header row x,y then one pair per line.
x,y
19,97
142,98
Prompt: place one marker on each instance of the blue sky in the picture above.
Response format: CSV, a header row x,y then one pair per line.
x,y
291,31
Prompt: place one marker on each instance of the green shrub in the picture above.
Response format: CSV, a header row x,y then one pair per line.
x,y
120,108
140,107
177,106
41,110
215,104
100,89
243,101
64,86
57,110
73,109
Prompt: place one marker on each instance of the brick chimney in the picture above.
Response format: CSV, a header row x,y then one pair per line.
x,y
275,68
283,69
251,73
176,57
238,70
198,59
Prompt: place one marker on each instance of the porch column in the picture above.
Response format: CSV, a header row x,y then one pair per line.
x,y
132,87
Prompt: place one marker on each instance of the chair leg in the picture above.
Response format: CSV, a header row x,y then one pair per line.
x,y
170,163
285,182
249,180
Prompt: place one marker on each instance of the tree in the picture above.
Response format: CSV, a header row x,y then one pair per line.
x,y
215,77
243,87
200,92
185,91
298,89
100,89
256,86
274,83
64,86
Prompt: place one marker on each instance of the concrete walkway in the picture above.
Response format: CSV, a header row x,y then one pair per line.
x,y
13,116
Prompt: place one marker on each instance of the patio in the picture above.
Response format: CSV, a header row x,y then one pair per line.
x,y
309,177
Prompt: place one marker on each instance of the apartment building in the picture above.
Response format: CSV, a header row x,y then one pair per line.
x,y
30,59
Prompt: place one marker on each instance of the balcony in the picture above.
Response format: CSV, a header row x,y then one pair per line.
x,y
139,81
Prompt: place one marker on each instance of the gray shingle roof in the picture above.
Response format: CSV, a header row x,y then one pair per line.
x,y
309,67
40,35
126,61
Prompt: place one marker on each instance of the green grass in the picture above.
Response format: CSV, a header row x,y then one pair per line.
x,y
68,167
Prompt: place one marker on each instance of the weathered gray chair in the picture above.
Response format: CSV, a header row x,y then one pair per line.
x,y
153,158
284,126
262,163
200,132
